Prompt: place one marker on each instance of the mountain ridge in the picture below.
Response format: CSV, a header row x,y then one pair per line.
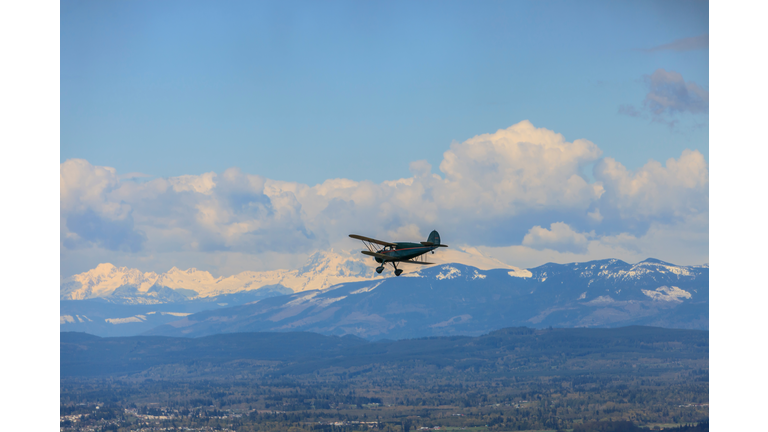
x,y
444,299
307,352
121,283
321,270
453,299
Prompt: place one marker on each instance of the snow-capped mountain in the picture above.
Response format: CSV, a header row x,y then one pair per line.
x,y
340,293
119,301
103,281
322,270
454,299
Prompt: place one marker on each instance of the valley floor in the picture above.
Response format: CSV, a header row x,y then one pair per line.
x,y
383,400
509,380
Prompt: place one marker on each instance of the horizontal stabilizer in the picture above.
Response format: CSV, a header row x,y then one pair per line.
x,y
432,244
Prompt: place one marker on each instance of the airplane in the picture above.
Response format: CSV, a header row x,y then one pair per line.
x,y
399,252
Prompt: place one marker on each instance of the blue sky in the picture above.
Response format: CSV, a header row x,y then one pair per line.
x,y
244,135
306,91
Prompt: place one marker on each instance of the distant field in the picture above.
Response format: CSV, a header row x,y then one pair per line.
x,y
511,379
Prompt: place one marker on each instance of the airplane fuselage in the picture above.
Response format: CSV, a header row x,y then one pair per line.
x,y
405,251
393,253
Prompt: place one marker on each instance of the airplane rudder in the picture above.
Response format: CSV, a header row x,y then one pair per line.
x,y
434,237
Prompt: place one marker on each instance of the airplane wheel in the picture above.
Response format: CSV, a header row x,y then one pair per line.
x,y
379,269
397,272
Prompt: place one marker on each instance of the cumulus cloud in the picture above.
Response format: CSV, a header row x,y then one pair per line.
x,y
684,44
88,216
655,192
208,212
494,190
685,243
595,215
487,182
420,168
518,168
559,237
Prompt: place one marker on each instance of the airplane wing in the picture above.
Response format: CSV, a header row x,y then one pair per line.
x,y
368,239
391,259
378,255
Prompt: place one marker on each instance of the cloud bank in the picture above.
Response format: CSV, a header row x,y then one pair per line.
x,y
518,192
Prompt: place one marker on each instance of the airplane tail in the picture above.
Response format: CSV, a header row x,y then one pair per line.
x,y
434,238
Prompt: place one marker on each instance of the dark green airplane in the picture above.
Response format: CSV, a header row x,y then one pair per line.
x,y
399,252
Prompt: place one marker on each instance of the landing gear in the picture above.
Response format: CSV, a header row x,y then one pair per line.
x,y
398,272
379,269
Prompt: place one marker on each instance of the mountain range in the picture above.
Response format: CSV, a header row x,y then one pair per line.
x,y
119,301
338,294
322,270
456,299
125,285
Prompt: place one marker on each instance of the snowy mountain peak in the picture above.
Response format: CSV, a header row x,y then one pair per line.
x,y
104,268
343,264
322,270
104,280
654,261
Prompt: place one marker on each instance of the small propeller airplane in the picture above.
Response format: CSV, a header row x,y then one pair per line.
x,y
399,252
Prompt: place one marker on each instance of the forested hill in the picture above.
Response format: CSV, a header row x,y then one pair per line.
x,y
518,350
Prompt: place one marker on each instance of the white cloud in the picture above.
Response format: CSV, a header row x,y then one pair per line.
x,y
206,212
84,186
496,190
203,184
683,243
518,168
595,216
559,237
655,192
88,216
420,168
